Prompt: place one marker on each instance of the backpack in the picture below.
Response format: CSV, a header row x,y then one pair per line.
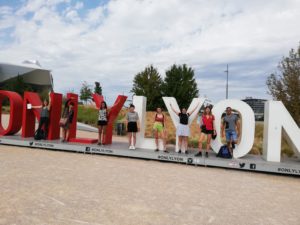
x,y
39,134
224,152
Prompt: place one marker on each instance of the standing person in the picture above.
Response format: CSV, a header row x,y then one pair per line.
x,y
183,130
67,119
102,122
132,119
159,129
44,116
206,130
231,125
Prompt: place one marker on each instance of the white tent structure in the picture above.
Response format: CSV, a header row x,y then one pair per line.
x,y
31,72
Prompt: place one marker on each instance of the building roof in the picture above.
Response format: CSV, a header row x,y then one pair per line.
x,y
31,71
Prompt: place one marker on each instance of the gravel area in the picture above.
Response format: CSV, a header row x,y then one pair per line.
x,y
51,187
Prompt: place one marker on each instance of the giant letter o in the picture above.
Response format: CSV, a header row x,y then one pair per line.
x,y
247,128
15,120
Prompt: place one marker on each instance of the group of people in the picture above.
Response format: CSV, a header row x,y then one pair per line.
x,y
65,121
230,126
230,129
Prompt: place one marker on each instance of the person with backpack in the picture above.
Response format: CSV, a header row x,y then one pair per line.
x,y
132,121
67,119
159,129
206,130
231,129
183,130
44,119
102,122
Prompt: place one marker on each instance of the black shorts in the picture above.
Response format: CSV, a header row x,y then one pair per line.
x,y
102,122
204,131
132,127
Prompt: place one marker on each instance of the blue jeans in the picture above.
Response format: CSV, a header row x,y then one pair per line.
x,y
231,136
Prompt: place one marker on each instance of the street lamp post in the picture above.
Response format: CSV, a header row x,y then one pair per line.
x,y
226,71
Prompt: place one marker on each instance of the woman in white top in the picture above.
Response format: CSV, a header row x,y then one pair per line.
x,y
102,123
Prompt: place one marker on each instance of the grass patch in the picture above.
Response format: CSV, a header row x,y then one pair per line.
x,y
5,109
87,115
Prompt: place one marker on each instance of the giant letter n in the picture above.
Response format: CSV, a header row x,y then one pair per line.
x,y
277,118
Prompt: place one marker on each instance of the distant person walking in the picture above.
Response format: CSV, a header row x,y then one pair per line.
x,y
159,127
206,130
231,129
67,119
183,130
102,122
132,121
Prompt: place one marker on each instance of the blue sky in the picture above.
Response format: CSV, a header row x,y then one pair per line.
x,y
111,41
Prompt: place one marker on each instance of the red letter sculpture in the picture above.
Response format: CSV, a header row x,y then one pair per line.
x,y
15,120
112,115
55,112
73,125
29,115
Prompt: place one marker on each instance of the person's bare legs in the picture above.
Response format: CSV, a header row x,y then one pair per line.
x,y
129,138
179,142
100,129
134,138
208,144
229,146
156,139
200,144
228,141
185,143
163,139
103,135
63,134
67,134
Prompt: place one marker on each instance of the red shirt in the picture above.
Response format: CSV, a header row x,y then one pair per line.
x,y
159,118
208,121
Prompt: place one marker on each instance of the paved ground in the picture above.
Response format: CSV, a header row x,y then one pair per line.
x,y
48,187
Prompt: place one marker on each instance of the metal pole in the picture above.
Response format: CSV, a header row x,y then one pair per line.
x,y
227,71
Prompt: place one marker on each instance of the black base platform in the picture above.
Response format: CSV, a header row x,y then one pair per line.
x,y
288,166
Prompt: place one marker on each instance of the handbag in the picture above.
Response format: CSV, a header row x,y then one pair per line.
x,y
63,122
214,135
203,127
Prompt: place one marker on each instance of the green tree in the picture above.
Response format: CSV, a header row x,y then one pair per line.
x,y
285,85
98,88
85,92
148,83
180,83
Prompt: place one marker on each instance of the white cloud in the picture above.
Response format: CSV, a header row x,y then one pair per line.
x,y
112,42
6,17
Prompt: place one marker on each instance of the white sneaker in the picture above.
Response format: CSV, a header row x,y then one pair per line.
x,y
133,147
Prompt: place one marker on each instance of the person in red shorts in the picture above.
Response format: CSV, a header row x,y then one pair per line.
x,y
206,130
